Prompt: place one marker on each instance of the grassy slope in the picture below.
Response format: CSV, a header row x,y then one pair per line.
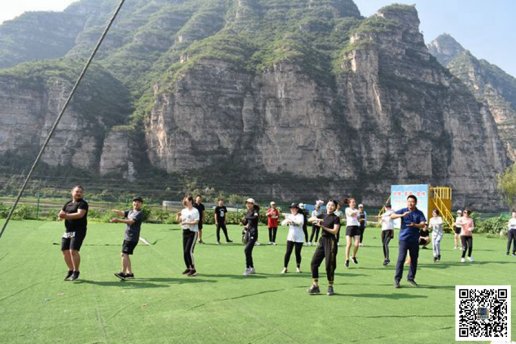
x,y
161,306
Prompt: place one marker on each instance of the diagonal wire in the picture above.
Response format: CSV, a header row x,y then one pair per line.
x,y
58,119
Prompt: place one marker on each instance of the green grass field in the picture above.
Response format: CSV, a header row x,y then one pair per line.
x,y
220,305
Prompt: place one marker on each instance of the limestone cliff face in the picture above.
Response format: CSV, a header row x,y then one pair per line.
x,y
31,103
27,115
393,115
490,85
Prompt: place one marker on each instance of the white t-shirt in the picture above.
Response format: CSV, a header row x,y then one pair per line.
x,y
295,229
189,215
458,221
352,217
387,222
512,223
436,223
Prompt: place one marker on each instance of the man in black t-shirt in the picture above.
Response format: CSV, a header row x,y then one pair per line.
x,y
75,214
200,208
133,219
220,220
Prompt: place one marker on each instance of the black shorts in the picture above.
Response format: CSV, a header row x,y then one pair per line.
x,y
423,241
128,246
352,231
72,240
457,230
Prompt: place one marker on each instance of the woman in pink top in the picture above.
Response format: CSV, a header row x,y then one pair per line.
x,y
466,235
272,222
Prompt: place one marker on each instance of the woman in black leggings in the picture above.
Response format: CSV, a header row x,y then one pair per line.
x,y
326,248
251,234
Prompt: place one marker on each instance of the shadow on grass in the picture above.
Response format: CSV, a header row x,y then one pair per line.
x,y
145,282
391,296
447,265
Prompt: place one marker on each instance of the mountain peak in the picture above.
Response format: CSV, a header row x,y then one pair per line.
x,y
445,48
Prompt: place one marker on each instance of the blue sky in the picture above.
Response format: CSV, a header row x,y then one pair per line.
x,y
486,27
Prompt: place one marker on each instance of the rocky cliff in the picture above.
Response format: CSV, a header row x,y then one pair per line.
x,y
277,98
491,85
32,96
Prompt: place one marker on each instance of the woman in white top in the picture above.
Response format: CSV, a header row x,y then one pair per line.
x,y
295,236
511,234
189,220
436,224
387,232
352,229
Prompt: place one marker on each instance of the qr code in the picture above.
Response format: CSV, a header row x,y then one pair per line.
x,y
483,313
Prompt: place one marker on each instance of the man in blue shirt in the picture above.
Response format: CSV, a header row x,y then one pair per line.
x,y
412,219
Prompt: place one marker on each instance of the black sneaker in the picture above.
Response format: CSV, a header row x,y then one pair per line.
x,y
412,282
347,263
354,259
435,259
397,284
120,275
229,240
439,257
192,273
70,272
129,275
314,290
75,275
186,272
385,262
330,291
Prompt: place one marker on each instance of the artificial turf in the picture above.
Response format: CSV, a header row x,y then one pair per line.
x,y
220,305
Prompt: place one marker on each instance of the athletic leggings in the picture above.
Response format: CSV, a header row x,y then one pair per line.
x,y
437,236
224,230
387,235
362,230
290,246
189,240
315,232
326,249
272,234
467,244
248,250
511,235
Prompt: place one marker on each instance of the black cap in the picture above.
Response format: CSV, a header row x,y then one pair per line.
x,y
294,205
138,198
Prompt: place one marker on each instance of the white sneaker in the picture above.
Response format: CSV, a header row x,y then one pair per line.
x,y
270,242
462,260
298,270
274,244
252,271
257,244
247,272
360,244
470,259
284,271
